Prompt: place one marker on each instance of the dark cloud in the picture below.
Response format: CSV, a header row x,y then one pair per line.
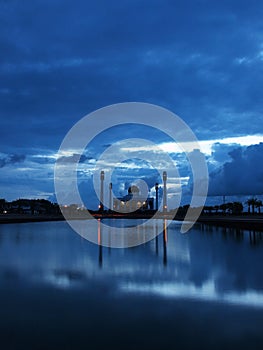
x,y
12,159
220,152
94,54
242,175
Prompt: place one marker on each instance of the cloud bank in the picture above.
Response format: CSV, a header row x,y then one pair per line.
x,y
241,175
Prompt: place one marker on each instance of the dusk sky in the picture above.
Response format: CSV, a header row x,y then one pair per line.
x,y
60,60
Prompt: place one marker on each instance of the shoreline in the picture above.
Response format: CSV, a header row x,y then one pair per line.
x,y
24,218
246,222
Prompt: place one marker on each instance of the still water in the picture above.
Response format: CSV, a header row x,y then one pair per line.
x,y
203,289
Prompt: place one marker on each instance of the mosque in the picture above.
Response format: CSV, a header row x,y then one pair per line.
x,y
133,200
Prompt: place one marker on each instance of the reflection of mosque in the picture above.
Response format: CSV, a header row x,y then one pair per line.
x,y
133,201
137,230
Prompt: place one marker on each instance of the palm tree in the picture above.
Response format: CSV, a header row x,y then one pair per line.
x,y
251,202
259,204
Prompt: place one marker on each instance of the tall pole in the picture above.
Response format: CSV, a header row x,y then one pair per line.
x,y
156,196
110,196
164,191
101,190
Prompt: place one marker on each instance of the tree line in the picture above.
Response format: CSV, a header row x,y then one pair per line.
x,y
236,208
28,206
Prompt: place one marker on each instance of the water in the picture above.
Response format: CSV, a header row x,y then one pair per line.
x,y
203,289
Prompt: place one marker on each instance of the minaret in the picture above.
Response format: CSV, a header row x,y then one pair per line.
x,y
164,192
110,196
156,195
101,190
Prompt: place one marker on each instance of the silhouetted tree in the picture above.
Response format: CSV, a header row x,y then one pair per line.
x,y
237,208
216,207
223,207
229,207
208,208
2,203
259,204
251,202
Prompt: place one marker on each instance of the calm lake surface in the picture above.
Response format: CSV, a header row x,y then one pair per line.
x,y
203,289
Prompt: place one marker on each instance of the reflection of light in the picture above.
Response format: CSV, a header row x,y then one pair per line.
x,y
99,233
206,292
165,230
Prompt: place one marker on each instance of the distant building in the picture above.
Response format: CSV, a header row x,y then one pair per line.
x,y
132,201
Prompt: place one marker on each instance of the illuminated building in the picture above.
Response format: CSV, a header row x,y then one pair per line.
x,y
133,201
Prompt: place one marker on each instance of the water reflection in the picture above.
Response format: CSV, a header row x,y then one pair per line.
x,y
100,243
108,231
255,237
212,266
165,242
219,266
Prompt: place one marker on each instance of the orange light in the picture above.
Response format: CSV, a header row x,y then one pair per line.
x,y
99,233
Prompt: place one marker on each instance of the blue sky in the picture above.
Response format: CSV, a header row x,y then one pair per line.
x,y
61,60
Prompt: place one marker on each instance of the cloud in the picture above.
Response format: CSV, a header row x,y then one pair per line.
x,y
162,60
75,158
11,159
242,175
58,69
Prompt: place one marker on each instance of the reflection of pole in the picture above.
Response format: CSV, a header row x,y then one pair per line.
x,y
156,196
164,243
164,191
156,239
110,196
101,190
99,244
